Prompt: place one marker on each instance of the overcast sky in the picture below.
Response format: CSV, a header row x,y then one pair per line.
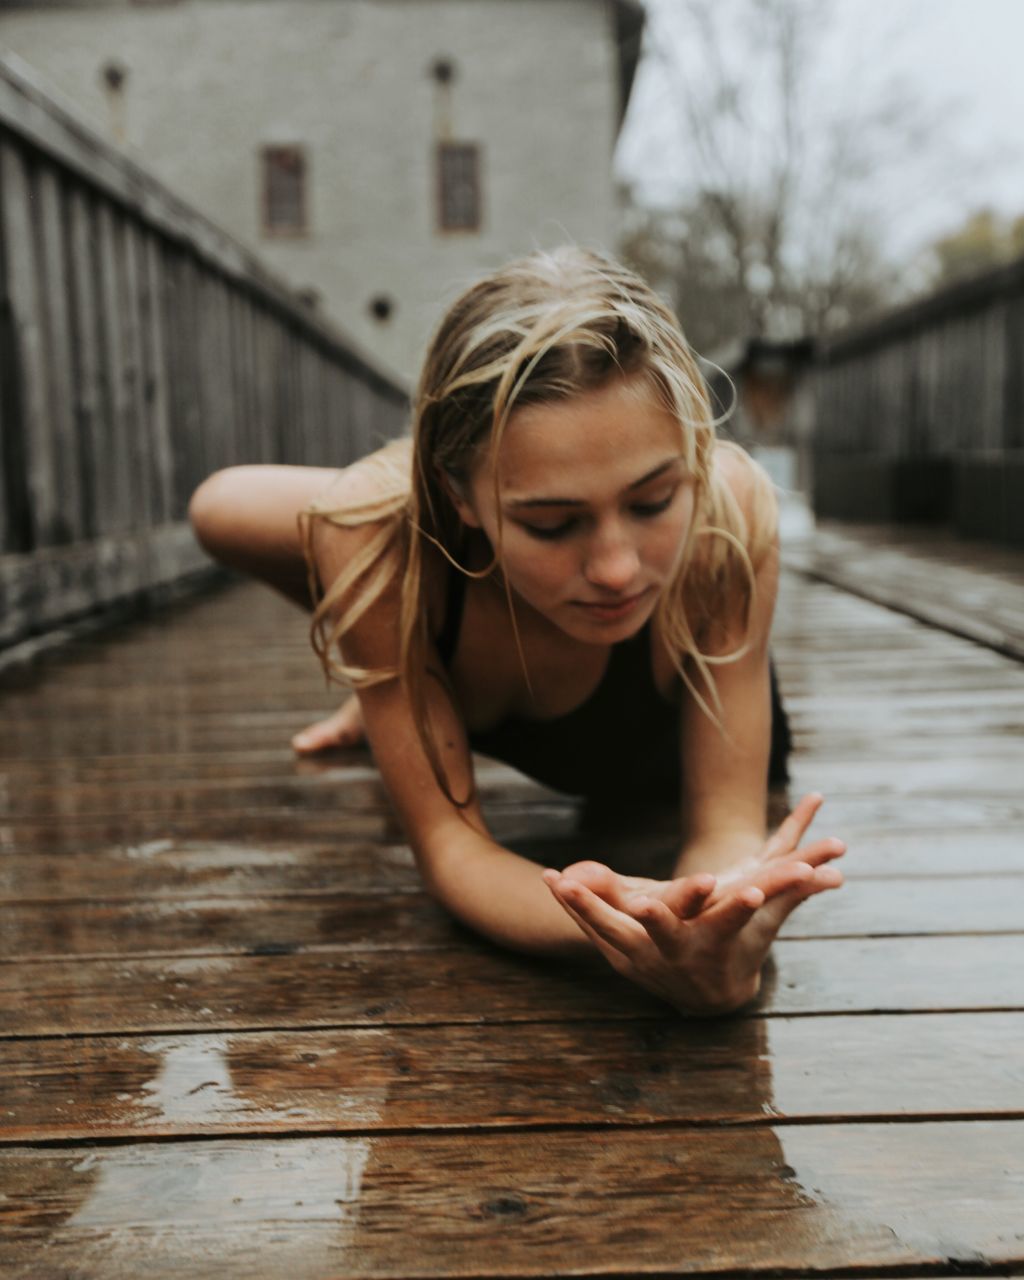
x,y
962,57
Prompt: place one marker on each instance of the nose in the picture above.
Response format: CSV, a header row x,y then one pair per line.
x,y
612,562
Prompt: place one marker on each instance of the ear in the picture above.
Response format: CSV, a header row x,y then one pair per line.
x,y
456,495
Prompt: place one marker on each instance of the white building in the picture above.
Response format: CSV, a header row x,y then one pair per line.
x,y
378,153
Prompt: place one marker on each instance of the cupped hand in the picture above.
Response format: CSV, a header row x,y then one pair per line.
x,y
698,942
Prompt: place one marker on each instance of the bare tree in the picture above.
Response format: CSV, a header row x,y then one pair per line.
x,y
789,155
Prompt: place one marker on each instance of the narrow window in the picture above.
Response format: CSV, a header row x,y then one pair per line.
x,y
458,173
284,191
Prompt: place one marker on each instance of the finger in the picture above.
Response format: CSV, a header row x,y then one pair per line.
x,y
822,851
730,916
780,877
594,937
662,924
782,907
610,885
617,929
550,878
827,878
687,896
792,829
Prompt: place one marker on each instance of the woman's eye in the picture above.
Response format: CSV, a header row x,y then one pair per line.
x,y
647,509
550,533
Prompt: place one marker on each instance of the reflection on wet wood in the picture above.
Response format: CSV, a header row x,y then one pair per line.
x,y
158,870
478,983
146,791
381,1093
524,1204
161,869
590,1073
411,921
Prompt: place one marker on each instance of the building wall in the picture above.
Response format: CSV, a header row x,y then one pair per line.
x,y
209,82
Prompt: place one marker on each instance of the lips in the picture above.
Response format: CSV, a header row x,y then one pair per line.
x,y
611,610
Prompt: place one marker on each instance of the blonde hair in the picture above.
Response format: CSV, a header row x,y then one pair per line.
x,y
542,329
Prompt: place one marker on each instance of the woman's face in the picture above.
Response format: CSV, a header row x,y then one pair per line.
x,y
596,502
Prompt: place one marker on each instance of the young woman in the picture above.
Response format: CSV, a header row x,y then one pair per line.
x,y
563,569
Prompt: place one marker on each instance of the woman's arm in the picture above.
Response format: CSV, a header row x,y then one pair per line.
x,y
700,940
725,768
492,890
246,517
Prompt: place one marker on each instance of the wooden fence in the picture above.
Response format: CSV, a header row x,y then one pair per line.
x,y
921,415
141,348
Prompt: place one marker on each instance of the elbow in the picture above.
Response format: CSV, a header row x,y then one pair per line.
x,y
210,511
435,874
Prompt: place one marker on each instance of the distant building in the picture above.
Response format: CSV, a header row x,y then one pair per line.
x,y
378,153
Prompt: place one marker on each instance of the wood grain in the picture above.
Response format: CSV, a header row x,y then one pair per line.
x,y
388,1078
480,984
410,920
239,1039
643,1203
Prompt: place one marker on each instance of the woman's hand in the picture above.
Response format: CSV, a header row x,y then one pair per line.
x,y
698,942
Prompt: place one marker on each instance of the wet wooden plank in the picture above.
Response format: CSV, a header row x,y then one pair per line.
x,y
189,869
868,794
970,590
411,921
478,983
796,1198
283,644
160,869
589,1074
73,833
364,921
291,817
933,852
928,678
151,785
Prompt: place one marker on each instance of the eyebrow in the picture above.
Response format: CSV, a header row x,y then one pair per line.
x,y
660,469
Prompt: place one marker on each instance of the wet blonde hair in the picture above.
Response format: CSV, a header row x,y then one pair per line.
x,y
540,330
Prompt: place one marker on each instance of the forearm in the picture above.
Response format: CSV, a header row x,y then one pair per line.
x,y
500,895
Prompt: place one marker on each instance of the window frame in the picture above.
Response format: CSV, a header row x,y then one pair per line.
x,y
290,231
442,205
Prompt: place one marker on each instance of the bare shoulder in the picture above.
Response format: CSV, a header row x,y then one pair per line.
x,y
369,480
745,502
745,479
358,516
359,551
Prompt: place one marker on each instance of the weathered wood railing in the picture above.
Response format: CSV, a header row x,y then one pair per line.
x,y
921,414
141,348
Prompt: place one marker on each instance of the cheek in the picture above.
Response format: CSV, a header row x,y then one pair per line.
x,y
666,541
537,568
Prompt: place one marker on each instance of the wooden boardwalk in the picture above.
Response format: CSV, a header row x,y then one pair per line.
x,y
239,1041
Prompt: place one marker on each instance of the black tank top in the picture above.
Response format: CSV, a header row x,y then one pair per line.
x,y
621,743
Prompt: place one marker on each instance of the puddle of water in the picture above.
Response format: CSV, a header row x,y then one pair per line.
x,y
923,1192
232,1208
201,1082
